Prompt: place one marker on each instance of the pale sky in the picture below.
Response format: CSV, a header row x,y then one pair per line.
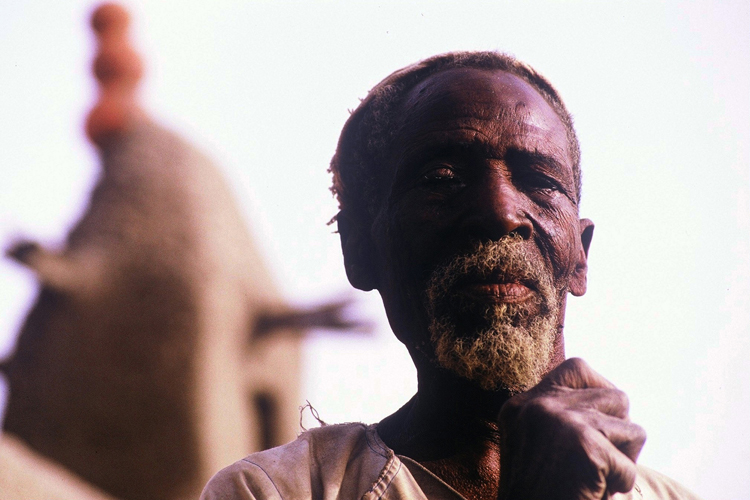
x,y
660,93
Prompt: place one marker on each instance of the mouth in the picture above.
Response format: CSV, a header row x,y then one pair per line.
x,y
497,291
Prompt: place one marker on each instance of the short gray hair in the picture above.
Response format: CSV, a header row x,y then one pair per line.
x,y
369,130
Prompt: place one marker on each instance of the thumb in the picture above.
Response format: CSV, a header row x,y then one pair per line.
x,y
575,373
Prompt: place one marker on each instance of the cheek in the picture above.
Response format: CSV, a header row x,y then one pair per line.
x,y
405,247
425,237
557,237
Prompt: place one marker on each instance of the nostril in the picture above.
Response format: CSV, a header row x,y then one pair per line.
x,y
497,226
523,230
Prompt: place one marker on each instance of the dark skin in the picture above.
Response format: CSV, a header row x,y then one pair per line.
x,y
480,155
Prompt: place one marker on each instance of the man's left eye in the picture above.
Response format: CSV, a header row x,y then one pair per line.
x,y
540,184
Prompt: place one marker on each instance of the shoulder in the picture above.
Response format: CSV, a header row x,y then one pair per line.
x,y
320,463
650,485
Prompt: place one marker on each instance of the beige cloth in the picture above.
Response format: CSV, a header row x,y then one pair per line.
x,y
350,461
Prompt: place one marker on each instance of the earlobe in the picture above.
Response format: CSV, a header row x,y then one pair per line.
x,y
579,277
356,245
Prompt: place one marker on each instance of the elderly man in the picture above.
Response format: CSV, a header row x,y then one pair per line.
x,y
458,180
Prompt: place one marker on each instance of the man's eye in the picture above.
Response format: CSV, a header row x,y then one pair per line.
x,y
440,177
540,184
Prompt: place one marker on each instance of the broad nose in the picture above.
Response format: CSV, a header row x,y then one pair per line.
x,y
499,209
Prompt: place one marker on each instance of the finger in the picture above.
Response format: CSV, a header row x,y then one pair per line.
x,y
612,402
622,472
626,436
575,373
616,469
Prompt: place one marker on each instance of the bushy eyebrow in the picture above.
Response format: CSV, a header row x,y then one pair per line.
x,y
546,164
479,147
525,157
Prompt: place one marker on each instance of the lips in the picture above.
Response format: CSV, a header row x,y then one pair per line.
x,y
491,273
507,293
497,291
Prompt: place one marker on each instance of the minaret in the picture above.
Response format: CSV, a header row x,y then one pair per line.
x,y
146,364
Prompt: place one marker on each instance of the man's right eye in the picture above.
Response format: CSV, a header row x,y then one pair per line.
x,y
441,177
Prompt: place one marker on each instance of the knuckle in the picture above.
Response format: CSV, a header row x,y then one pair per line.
x,y
576,367
512,410
639,435
621,400
542,413
508,413
576,363
540,407
576,374
591,441
513,404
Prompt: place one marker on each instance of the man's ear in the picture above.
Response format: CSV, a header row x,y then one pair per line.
x,y
358,250
578,280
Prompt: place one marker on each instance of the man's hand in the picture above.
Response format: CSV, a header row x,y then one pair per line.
x,y
568,438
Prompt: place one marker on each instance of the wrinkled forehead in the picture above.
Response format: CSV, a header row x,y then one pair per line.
x,y
470,95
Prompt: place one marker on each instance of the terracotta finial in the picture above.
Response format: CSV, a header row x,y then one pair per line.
x,y
118,68
110,16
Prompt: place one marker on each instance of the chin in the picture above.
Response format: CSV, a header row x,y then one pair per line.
x,y
500,357
490,333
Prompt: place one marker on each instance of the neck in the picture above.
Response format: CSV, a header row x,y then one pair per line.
x,y
450,427
446,413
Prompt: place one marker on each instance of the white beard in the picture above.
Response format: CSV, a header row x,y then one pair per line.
x,y
508,346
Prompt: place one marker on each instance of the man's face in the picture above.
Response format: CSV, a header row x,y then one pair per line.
x,y
477,238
